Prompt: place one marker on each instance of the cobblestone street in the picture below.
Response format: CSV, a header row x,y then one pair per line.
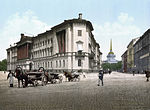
x,y
120,92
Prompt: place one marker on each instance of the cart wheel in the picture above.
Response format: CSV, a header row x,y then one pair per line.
x,y
44,81
60,79
78,78
53,81
35,83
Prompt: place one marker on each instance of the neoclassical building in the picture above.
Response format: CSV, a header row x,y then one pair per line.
x,y
69,46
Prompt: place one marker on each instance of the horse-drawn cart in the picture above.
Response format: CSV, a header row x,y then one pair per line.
x,y
34,77
53,77
31,77
72,76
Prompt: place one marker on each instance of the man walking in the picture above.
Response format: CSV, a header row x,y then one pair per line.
x,y
11,79
100,76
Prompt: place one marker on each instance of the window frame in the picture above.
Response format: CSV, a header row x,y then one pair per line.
x,y
79,32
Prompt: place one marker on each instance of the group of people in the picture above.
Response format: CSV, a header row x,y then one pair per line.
x,y
100,77
101,74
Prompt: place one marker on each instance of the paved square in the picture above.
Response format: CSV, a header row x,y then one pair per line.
x,y
120,92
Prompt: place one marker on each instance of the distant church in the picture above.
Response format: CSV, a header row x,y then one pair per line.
x,y
111,56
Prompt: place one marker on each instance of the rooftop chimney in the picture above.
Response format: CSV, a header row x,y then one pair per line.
x,y
22,35
80,16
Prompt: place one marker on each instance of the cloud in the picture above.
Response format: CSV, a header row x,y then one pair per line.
x,y
124,18
27,23
122,31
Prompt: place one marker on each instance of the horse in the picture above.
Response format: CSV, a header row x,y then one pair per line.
x,y
71,77
147,75
21,76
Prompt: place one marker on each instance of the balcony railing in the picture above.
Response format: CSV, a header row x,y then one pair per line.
x,y
80,54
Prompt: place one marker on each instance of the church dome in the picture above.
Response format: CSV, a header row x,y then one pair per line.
x,y
111,56
111,53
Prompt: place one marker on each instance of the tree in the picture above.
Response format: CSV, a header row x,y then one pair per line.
x,y
112,66
3,65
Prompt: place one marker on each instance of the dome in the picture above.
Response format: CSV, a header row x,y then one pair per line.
x,y
111,53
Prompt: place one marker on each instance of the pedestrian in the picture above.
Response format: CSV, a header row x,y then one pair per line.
x,y
109,71
133,72
11,79
147,75
100,77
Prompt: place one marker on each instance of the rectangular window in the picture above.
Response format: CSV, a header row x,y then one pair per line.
x,y
64,63
43,43
48,41
51,41
51,64
79,46
79,32
56,64
60,63
79,62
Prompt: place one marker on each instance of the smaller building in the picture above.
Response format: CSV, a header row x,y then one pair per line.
x,y
124,62
130,55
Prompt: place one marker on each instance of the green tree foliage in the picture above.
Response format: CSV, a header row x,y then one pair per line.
x,y
3,65
113,67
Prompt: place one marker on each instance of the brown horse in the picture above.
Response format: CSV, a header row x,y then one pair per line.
x,y
147,75
21,76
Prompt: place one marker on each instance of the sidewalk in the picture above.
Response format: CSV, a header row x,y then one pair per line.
x,y
3,75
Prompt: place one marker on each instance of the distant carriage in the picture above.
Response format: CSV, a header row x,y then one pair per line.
x,y
54,78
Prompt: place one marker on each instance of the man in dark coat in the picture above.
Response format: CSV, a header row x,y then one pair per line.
x,y
100,76
147,75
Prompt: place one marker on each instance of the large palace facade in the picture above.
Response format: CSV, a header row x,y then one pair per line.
x,y
67,46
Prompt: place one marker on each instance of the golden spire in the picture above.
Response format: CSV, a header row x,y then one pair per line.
x,y
111,52
111,45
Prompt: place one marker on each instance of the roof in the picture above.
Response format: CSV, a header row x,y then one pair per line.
x,y
24,39
148,31
133,41
124,53
74,21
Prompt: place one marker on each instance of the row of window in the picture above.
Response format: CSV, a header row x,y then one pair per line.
x,y
42,43
42,53
59,63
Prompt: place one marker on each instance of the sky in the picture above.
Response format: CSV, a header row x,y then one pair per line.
x,y
119,20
